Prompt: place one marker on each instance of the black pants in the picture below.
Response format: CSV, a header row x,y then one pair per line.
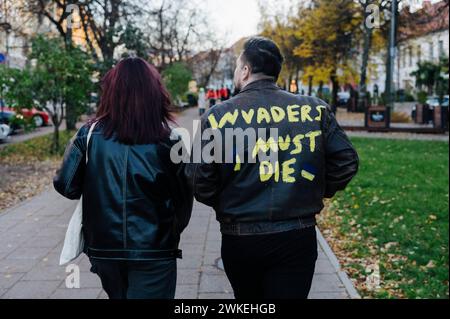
x,y
275,266
137,280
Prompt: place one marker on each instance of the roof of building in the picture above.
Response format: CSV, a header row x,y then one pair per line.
x,y
431,18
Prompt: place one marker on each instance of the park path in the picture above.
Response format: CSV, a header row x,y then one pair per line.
x,y
22,136
32,235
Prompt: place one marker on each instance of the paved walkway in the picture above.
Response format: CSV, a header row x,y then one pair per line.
x,y
22,137
32,234
401,136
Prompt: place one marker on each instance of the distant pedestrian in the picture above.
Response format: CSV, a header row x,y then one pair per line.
x,y
202,102
212,97
224,93
219,95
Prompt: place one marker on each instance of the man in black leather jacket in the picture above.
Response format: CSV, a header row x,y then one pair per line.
x,y
267,208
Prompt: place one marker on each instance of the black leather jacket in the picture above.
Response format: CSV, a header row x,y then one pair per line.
x,y
136,201
306,172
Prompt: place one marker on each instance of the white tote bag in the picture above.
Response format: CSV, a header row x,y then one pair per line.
x,y
74,241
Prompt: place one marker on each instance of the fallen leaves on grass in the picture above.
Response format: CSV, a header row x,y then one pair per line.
x,y
355,264
27,168
22,181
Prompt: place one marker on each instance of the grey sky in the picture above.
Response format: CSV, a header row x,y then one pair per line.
x,y
234,19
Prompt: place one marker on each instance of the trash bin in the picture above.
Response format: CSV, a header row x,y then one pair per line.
x,y
378,117
445,117
440,117
420,114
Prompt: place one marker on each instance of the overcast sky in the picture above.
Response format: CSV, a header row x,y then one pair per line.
x,y
239,18
235,19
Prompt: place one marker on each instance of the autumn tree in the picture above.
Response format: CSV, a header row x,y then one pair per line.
x,y
282,34
281,26
330,33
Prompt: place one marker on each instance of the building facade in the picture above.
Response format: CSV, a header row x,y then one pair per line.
x,y
16,31
423,35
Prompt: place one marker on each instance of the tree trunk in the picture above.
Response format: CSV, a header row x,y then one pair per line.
x,y
310,85
362,97
320,90
297,80
55,142
71,112
71,118
334,93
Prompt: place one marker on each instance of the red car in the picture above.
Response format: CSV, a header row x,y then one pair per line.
x,y
40,118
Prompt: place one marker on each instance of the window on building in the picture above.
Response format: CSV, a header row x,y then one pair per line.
x,y
403,57
431,51
441,48
410,54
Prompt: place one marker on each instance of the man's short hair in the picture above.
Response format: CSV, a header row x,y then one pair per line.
x,y
263,56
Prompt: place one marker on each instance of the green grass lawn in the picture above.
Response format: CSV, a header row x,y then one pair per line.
x,y
35,149
395,214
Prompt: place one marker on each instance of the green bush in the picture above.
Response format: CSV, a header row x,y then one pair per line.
x,y
326,96
422,97
176,78
35,150
409,97
19,121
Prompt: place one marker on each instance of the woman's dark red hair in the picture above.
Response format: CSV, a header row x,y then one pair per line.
x,y
134,105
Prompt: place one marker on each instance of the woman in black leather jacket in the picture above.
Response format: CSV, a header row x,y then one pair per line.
x,y
136,201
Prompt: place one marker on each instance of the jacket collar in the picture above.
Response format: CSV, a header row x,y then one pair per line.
x,y
260,84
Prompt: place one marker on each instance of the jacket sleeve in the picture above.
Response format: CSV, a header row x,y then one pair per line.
x,y
178,181
186,200
69,178
342,161
203,176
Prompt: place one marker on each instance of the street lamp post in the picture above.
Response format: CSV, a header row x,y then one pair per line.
x,y
391,56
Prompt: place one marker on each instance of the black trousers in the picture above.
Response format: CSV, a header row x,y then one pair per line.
x,y
275,266
137,280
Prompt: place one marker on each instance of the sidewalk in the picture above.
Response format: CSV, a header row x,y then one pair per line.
x,y
22,136
32,234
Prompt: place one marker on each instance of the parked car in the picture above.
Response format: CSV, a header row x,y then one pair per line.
x,y
6,115
432,101
40,118
343,98
428,108
445,102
